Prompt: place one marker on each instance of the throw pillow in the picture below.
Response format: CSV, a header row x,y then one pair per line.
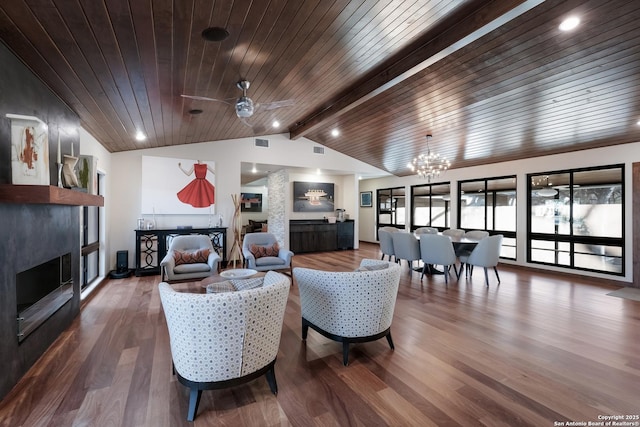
x,y
189,257
245,284
259,251
220,287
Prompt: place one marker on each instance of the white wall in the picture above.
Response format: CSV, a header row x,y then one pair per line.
x,y
122,192
620,154
125,178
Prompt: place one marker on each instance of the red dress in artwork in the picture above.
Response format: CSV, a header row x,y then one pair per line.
x,y
199,193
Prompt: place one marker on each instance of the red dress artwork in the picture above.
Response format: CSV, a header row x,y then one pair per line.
x,y
199,193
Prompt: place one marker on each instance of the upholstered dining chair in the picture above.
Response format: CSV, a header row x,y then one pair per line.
x,y
386,241
486,254
262,252
189,257
436,249
406,246
453,232
349,307
220,340
476,234
426,230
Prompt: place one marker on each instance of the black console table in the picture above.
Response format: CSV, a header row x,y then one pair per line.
x,y
152,245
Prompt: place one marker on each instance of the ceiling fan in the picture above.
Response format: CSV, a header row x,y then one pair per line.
x,y
244,106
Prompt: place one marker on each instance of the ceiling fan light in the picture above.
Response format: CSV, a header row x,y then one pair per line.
x,y
244,107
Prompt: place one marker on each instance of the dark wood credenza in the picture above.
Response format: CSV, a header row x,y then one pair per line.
x,y
317,235
152,245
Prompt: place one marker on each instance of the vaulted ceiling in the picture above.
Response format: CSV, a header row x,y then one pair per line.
x,y
490,80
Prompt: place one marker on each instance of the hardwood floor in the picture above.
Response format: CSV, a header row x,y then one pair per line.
x,y
537,349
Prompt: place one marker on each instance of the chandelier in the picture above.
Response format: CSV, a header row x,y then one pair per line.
x,y
429,165
544,189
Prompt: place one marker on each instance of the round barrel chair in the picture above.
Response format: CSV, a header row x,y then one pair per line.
x,y
349,307
221,340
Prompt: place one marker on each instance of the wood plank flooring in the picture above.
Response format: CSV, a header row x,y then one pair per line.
x,y
537,349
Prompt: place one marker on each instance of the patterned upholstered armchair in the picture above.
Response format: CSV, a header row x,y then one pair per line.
x,y
220,340
349,307
189,257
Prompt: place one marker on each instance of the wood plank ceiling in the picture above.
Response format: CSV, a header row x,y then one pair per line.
x,y
384,74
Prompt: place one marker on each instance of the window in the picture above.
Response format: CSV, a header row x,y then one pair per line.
x,y
90,237
490,204
391,206
576,219
431,206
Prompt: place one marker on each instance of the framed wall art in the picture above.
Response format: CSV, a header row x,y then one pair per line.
x,y
251,202
365,199
313,197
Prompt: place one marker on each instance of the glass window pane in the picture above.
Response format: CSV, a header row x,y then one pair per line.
x,y
597,203
599,257
508,249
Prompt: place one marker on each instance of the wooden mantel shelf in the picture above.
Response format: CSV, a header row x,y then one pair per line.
x,y
47,194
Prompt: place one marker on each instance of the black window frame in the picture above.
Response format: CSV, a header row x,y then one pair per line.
x,y
508,234
447,219
570,238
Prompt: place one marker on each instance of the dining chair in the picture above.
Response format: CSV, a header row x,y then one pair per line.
x,y
453,232
476,234
406,246
436,249
386,242
486,254
426,230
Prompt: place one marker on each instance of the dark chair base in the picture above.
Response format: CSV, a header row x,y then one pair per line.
x,y
345,340
195,388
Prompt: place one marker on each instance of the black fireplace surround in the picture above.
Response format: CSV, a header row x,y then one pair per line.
x,y
34,234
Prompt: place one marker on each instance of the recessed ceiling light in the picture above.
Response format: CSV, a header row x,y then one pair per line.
x,y
570,23
140,136
335,133
275,124
215,34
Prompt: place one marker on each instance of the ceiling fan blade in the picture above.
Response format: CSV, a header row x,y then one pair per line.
x,y
267,106
245,122
256,128
205,98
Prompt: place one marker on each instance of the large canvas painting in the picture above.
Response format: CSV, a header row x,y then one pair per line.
x,y
29,150
313,197
173,186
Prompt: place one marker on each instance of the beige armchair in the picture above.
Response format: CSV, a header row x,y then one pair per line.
x,y
189,257
221,340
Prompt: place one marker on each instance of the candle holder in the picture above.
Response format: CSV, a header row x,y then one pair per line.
x,y
59,175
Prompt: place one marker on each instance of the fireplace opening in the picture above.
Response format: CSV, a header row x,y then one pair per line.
x,y
41,291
